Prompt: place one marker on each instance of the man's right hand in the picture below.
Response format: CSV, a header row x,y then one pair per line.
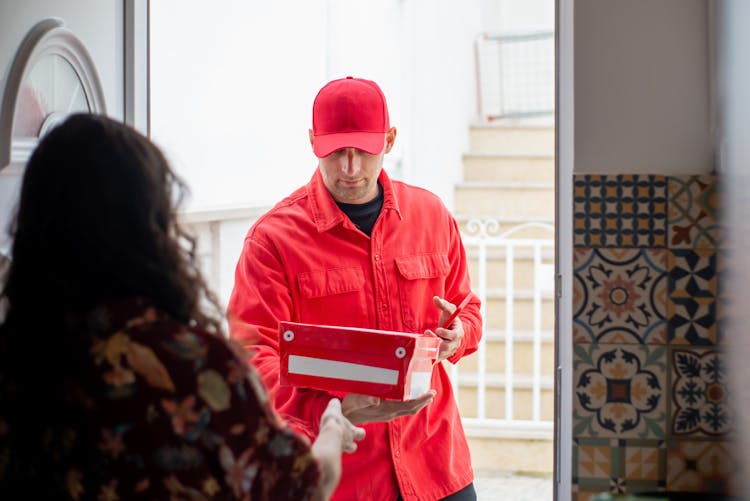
x,y
360,409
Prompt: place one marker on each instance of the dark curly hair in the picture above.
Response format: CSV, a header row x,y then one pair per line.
x,y
96,221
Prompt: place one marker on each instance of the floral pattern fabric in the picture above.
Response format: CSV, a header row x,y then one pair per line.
x,y
178,415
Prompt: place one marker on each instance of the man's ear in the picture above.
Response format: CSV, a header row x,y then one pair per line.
x,y
312,138
390,138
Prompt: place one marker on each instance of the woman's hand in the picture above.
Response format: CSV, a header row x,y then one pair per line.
x,y
337,434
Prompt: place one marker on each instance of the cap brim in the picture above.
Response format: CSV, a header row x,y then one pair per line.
x,y
370,142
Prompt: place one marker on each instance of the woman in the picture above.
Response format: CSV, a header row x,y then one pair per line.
x,y
115,379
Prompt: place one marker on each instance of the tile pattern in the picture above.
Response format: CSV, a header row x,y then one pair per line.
x,y
693,206
650,406
619,391
728,311
699,393
618,466
620,211
692,296
700,466
620,295
589,492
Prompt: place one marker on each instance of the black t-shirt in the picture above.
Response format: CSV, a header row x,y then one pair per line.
x,y
364,215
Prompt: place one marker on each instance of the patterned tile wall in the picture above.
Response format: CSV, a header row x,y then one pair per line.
x,y
650,388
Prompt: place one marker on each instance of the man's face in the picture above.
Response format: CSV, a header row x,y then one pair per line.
x,y
351,175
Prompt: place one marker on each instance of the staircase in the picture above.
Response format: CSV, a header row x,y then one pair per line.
x,y
509,173
509,176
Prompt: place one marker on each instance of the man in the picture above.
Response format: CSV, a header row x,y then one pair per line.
x,y
354,248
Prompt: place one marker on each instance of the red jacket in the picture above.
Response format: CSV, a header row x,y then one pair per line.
x,y
305,261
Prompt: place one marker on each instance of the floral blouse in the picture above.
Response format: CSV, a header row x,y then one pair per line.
x,y
179,416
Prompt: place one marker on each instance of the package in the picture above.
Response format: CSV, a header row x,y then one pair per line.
x,y
385,364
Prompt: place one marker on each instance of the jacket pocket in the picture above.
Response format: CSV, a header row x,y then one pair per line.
x,y
421,277
326,296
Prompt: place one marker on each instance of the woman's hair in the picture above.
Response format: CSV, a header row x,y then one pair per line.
x,y
96,222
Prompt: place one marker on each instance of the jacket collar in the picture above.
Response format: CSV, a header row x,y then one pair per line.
x,y
326,214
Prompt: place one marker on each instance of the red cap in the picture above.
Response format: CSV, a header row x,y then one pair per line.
x,y
349,113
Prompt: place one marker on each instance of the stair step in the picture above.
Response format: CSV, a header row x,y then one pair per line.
x,y
523,258
533,455
518,294
495,167
536,200
523,366
506,185
495,403
523,249
523,315
497,380
512,140
519,336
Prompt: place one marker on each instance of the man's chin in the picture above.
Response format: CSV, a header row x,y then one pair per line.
x,y
350,196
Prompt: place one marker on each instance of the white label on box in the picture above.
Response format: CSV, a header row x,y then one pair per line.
x,y
420,383
320,367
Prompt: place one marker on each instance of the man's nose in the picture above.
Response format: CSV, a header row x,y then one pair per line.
x,y
351,160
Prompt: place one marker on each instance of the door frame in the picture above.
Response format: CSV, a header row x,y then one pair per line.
x,y
564,168
136,65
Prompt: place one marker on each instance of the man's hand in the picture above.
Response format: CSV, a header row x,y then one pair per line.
x,y
452,336
360,409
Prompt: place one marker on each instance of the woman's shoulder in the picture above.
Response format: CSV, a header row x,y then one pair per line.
x,y
137,337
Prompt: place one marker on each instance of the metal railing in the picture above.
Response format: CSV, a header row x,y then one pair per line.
x,y
509,267
515,75
512,266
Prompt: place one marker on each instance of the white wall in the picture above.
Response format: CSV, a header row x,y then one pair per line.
x,y
99,25
443,92
233,84
514,16
642,87
233,81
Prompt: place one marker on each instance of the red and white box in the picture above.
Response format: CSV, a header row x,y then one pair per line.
x,y
385,364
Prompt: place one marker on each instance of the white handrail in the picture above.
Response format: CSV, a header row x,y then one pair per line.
x,y
479,237
537,370
482,369
509,300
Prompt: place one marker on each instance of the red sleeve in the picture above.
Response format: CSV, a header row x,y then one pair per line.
x,y
458,284
262,296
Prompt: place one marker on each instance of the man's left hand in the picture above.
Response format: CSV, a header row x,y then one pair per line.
x,y
452,336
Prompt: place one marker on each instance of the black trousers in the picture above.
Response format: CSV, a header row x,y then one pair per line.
x,y
466,494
